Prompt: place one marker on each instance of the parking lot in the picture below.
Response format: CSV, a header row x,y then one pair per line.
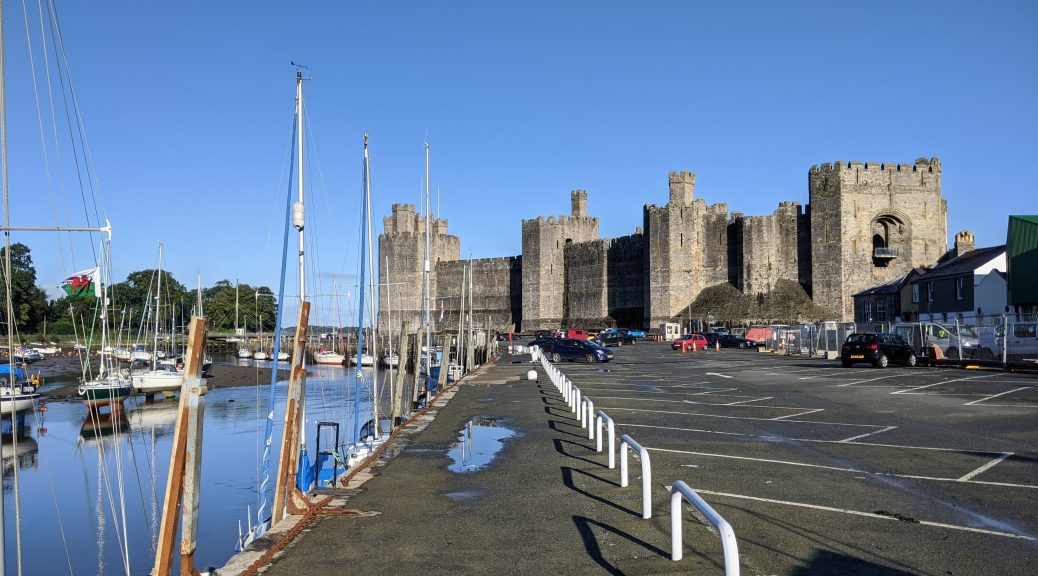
x,y
828,470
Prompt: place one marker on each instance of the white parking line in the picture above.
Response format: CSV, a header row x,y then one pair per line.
x,y
859,436
748,401
869,380
798,414
986,467
616,409
995,396
910,390
839,469
865,514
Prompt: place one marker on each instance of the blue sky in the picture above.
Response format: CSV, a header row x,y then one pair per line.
x,y
187,107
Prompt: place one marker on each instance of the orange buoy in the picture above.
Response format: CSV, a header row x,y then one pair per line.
x,y
42,408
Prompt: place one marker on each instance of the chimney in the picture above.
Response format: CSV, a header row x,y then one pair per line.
x,y
964,243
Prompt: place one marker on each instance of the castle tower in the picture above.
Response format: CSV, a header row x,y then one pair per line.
x,y
872,223
686,250
543,264
402,246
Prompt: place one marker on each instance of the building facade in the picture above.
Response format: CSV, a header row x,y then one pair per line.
x,y
865,224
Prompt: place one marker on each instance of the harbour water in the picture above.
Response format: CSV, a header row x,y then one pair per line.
x,y
80,476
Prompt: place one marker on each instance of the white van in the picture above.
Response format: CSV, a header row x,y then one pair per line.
x,y
1022,341
927,334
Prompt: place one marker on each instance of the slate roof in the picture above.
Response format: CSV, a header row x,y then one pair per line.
x,y
892,287
964,264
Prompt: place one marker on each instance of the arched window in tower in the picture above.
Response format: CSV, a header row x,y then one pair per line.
x,y
889,235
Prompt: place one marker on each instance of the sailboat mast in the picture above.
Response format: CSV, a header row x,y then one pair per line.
x,y
297,210
9,307
371,283
158,300
425,304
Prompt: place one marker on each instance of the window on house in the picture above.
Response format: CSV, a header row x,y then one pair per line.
x,y
868,310
959,288
915,293
929,291
881,310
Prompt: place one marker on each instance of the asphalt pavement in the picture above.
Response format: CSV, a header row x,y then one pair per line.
x,y
819,470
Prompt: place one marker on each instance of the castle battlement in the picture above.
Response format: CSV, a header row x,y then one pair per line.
x,y
921,164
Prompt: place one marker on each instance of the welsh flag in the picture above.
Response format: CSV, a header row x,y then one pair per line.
x,y
83,284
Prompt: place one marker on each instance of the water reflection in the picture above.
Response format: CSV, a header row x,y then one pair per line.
x,y
98,426
21,451
479,442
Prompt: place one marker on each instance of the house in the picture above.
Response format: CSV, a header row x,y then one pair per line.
x,y
883,303
965,282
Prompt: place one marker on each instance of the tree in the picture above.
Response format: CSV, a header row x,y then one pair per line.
x,y
28,300
219,307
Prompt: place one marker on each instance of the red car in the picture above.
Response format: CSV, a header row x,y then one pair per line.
x,y
688,340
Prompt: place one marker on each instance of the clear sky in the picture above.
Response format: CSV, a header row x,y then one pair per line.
x,y
188,108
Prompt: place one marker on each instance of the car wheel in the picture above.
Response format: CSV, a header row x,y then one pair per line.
x,y
742,344
619,343
911,361
952,353
986,354
589,358
882,361
555,357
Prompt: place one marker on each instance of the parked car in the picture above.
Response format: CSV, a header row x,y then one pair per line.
x,y
574,349
543,342
575,334
733,341
618,338
688,340
876,349
712,338
633,333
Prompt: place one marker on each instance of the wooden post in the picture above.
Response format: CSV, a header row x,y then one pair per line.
x,y
287,460
182,483
398,389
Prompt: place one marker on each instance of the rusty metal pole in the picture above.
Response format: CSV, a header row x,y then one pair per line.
x,y
185,454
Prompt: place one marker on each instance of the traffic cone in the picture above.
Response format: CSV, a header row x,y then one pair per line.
x,y
717,346
693,346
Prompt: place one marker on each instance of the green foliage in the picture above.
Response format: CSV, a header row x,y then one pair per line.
x,y
28,300
253,310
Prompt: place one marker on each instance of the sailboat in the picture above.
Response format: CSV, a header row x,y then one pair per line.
x,y
332,356
260,353
17,394
243,350
369,437
161,377
111,386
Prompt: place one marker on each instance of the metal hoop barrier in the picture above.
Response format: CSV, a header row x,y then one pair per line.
x,y
643,454
612,436
731,548
587,416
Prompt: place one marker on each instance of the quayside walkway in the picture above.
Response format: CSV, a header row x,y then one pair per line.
x,y
546,504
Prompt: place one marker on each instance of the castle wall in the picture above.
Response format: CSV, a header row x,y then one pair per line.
x,y
402,246
770,249
496,293
543,271
856,206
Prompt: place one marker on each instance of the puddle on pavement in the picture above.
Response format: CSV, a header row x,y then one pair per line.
x,y
478,443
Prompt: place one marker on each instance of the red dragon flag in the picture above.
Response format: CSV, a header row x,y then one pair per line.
x,y
83,284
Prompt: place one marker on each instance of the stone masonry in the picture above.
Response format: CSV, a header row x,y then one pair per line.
x,y
865,224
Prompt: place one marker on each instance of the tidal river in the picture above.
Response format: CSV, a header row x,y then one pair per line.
x,y
82,479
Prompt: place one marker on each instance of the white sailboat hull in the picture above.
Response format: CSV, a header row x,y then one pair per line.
x,y
329,358
157,381
260,356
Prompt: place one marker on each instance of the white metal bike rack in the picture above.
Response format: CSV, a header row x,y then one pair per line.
x,y
612,436
731,548
587,416
643,454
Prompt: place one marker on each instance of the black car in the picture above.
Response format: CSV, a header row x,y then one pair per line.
x,y
543,342
712,338
616,338
733,341
876,349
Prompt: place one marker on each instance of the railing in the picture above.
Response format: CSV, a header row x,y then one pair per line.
x,y
643,455
587,414
885,252
724,529
612,437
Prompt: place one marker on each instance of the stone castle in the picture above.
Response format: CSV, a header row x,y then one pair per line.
x,y
865,224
